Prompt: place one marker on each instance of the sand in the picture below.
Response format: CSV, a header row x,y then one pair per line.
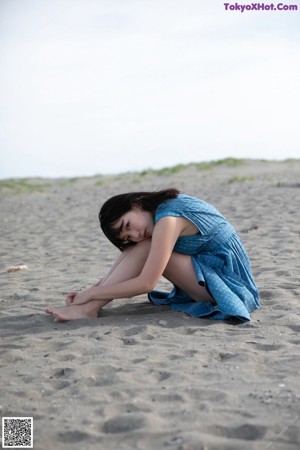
x,y
139,376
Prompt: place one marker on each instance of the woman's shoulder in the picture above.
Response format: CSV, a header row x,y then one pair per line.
x,y
177,206
182,200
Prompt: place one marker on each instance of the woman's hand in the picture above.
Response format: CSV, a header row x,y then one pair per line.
x,y
70,298
77,298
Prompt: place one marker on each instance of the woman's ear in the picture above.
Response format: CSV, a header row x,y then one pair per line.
x,y
137,205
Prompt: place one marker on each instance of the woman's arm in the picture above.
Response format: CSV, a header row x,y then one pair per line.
x,y
164,237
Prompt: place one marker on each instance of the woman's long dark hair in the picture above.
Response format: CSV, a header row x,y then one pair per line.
x,y
118,205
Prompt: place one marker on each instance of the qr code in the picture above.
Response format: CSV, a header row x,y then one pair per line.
x,y
17,432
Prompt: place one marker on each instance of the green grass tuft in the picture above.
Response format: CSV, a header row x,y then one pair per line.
x,y
230,162
238,179
165,171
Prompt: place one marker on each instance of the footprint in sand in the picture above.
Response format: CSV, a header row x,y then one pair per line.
x,y
62,372
247,432
268,347
123,423
72,437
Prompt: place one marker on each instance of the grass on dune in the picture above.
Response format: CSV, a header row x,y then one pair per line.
x,y
239,179
23,185
230,162
29,185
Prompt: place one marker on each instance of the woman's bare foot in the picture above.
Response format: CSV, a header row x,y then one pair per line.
x,y
88,310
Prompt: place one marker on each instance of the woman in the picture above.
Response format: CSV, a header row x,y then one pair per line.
x,y
180,237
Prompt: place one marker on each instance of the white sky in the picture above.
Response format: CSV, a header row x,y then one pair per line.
x,y
107,86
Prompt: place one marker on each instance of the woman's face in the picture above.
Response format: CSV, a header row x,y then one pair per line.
x,y
136,225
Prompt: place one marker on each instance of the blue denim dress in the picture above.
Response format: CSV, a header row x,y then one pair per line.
x,y
220,262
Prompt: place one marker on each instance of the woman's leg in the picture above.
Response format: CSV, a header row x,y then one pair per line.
x,y
129,265
120,258
180,271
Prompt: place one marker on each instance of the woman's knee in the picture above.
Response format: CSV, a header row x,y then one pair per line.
x,y
143,246
139,251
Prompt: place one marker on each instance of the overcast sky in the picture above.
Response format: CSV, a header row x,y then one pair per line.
x,y
107,86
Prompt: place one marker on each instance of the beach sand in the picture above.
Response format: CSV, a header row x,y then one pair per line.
x,y
139,376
